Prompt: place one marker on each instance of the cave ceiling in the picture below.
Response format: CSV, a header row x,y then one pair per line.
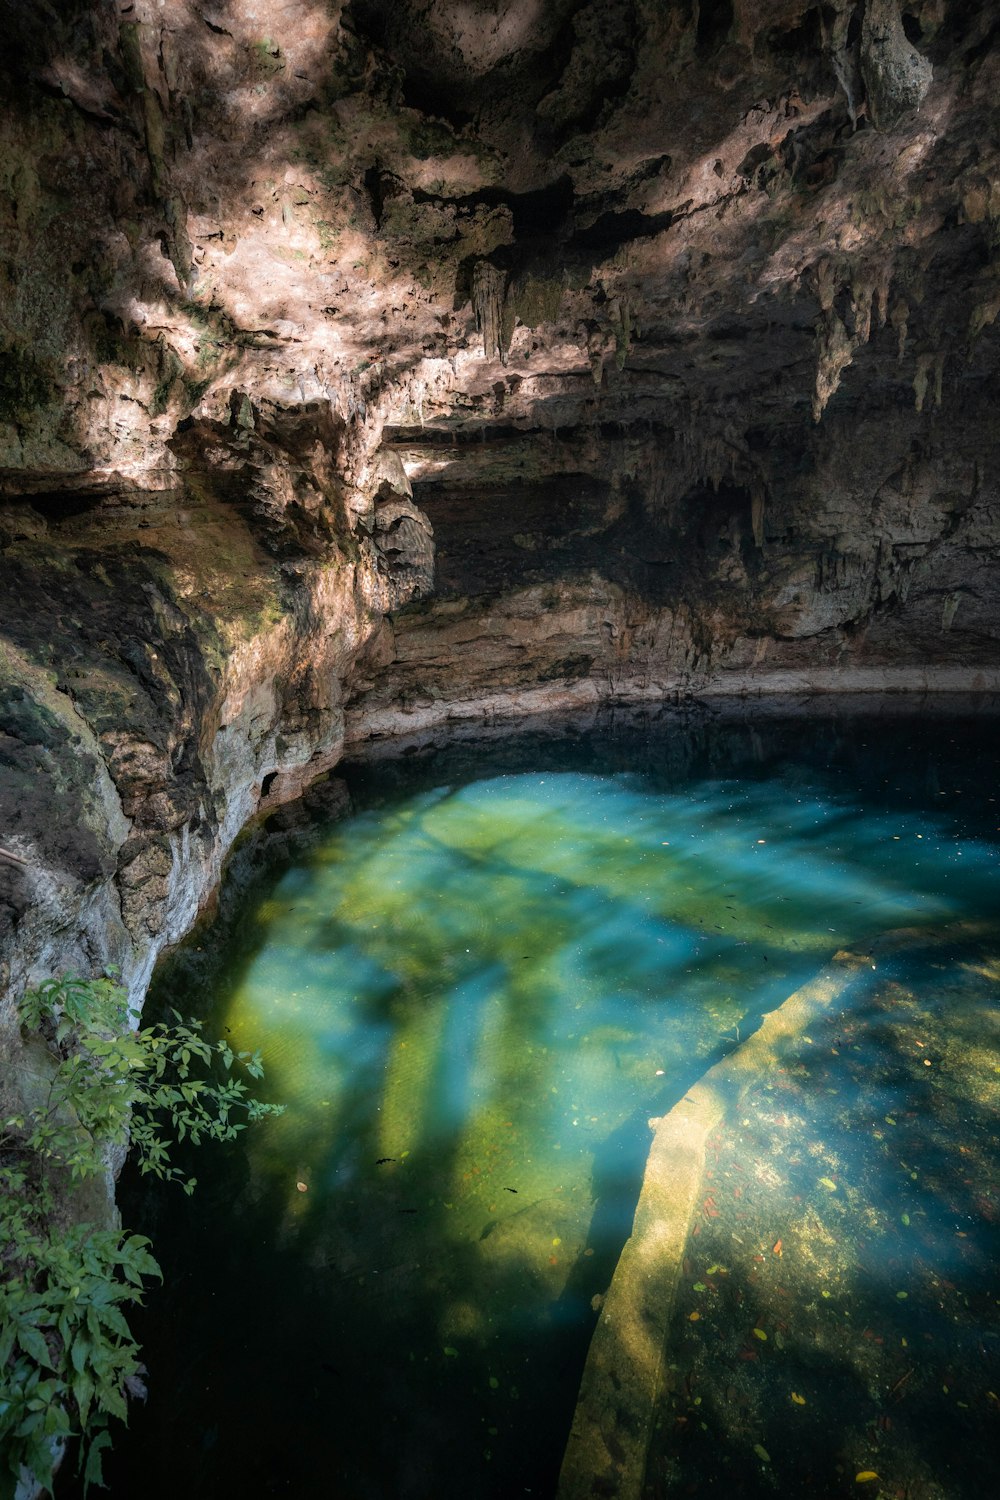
x,y
476,216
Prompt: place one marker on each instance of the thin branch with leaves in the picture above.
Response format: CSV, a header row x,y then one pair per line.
x,y
68,1359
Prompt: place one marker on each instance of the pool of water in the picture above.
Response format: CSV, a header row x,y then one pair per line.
x,y
472,991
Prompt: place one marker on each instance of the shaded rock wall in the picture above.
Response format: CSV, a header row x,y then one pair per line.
x,y
170,664
865,561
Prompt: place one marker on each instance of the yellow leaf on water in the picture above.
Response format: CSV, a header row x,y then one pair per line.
x,y
759,1333
799,1400
865,1477
693,1317
827,1183
762,1453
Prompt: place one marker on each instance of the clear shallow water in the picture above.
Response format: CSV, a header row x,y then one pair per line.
x,y
472,995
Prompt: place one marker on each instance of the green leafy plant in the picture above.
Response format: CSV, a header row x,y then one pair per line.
x,y
68,1360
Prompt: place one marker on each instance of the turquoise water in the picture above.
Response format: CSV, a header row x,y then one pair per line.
x,y
471,994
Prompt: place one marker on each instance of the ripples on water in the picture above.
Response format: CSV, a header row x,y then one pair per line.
x,y
471,995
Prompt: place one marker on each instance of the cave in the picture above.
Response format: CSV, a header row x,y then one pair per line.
x,y
525,400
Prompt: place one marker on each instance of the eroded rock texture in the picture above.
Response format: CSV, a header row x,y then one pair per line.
x,y
367,363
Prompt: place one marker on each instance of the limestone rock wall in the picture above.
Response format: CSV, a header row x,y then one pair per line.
x,y
632,566
172,663
365,363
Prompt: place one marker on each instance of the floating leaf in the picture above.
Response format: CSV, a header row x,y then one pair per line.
x,y
799,1400
762,1453
494,1383
902,1296
693,1317
904,1219
451,1353
828,1184
865,1476
700,1286
759,1333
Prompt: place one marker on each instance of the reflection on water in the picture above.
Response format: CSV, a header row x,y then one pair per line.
x,y
472,995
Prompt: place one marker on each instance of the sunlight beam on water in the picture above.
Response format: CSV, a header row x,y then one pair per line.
x,y
473,995
505,947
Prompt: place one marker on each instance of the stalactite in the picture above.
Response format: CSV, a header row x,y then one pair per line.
x,y
488,289
623,329
927,365
835,31
899,318
836,350
861,308
826,284
758,498
883,283
983,315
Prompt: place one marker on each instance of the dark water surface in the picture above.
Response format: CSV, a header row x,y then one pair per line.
x,y
472,993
